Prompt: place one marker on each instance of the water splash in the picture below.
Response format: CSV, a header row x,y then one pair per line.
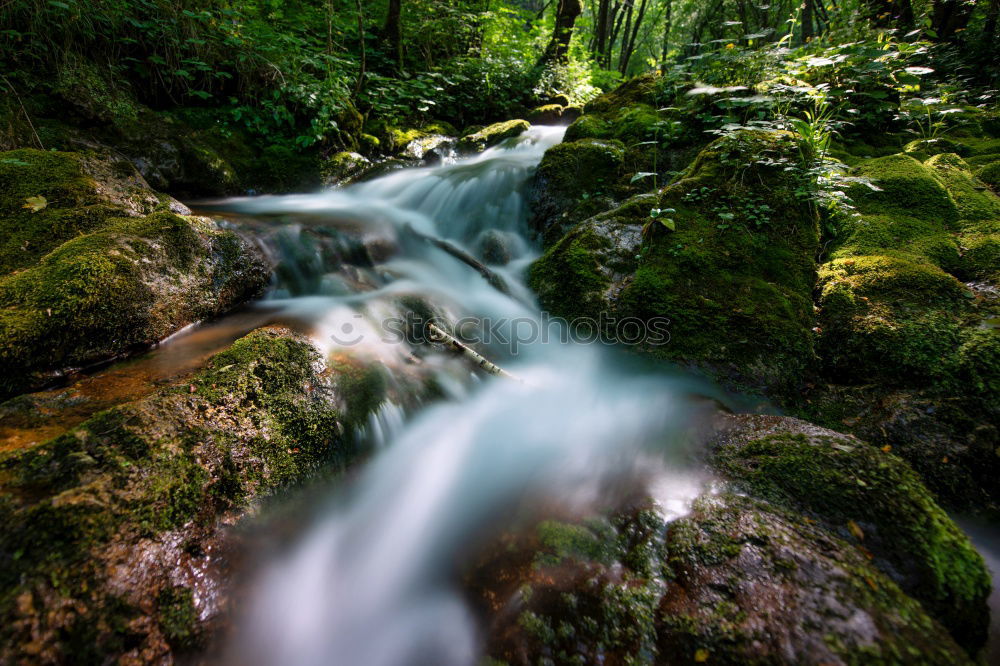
x,y
373,582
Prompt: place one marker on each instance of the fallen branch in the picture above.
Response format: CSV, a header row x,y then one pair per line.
x,y
437,334
490,276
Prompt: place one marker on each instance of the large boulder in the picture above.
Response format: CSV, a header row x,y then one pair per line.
x,y
573,181
491,135
726,254
127,285
113,536
905,337
866,496
48,197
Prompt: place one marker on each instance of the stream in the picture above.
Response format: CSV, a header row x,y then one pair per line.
x,y
374,580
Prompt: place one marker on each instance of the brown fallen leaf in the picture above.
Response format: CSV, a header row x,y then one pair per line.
x,y
856,530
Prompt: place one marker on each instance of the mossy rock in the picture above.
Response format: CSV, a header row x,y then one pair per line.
x,y
866,496
573,181
928,147
903,236
79,193
394,140
491,135
978,207
891,319
736,581
989,173
750,583
342,166
98,526
128,285
547,114
91,93
905,187
734,278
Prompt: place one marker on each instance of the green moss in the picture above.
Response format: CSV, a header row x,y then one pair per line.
x,y
905,187
492,135
568,279
558,541
846,481
937,146
73,205
889,317
978,208
989,173
363,386
547,113
902,236
981,256
178,617
132,283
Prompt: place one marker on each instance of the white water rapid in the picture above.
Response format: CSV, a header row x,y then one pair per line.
x,y
373,582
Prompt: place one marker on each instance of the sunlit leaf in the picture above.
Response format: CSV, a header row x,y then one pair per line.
x,y
35,204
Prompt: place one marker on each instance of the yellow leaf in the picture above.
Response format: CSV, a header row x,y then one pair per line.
x,y
855,530
887,448
35,204
701,655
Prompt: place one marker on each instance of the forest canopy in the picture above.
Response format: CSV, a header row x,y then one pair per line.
x,y
298,71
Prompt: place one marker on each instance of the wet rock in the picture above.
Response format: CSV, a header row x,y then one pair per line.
x,y
126,285
432,149
113,537
866,496
73,193
750,583
729,268
548,114
737,580
495,247
489,136
343,166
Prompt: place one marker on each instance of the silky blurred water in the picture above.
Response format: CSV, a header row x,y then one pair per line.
x,y
373,581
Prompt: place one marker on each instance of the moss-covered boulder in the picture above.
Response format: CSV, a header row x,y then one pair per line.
x,y
892,319
726,255
750,583
905,305
343,166
129,284
572,182
867,496
736,581
547,114
491,135
47,198
112,536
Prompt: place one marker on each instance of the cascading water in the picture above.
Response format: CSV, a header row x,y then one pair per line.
x,y
373,581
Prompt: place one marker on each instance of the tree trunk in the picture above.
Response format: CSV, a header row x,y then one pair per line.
x,y
629,48
601,29
990,26
807,21
666,36
890,13
558,47
362,62
392,33
950,17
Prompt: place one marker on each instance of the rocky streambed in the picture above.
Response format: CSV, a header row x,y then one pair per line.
x,y
128,497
